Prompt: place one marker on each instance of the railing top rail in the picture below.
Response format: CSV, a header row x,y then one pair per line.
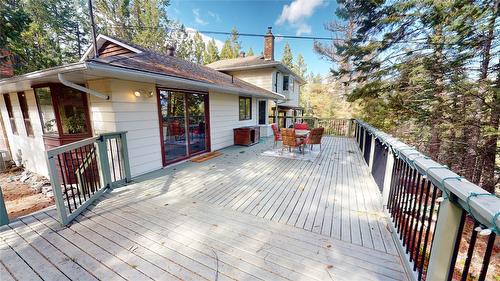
x,y
112,134
484,209
70,146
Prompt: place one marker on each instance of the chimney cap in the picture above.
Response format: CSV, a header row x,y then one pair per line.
x,y
170,50
269,30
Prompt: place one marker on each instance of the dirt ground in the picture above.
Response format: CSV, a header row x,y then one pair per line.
x,y
20,198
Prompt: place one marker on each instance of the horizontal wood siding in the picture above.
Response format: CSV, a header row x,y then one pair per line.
x,y
224,117
259,77
31,147
111,49
136,115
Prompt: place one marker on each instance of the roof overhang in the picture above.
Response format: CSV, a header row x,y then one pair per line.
x,y
91,70
273,64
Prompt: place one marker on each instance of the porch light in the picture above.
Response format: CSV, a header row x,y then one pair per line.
x,y
143,93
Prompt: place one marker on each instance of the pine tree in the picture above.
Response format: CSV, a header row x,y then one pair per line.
x,y
199,48
250,52
150,23
178,38
235,44
211,52
287,58
300,67
227,51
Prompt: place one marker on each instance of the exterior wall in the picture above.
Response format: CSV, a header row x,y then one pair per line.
x,y
292,94
259,77
32,149
136,115
224,117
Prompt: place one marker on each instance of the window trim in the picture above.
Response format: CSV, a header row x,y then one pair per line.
x,y
23,104
10,113
287,83
246,115
54,95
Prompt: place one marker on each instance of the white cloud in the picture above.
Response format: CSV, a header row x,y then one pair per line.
x,y
303,28
197,17
214,15
296,13
205,38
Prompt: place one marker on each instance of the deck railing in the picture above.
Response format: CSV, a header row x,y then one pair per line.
x,y
437,216
333,126
81,171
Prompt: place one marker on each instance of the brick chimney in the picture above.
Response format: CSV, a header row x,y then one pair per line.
x,y
269,45
242,54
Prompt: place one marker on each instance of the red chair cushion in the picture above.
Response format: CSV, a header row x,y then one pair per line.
x,y
301,126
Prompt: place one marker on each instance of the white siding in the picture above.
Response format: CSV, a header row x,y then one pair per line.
x,y
136,115
224,117
32,148
259,77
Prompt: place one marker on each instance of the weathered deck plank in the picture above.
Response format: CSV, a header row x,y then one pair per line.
x,y
240,216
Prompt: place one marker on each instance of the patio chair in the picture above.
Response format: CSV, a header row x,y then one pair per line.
x,y
300,126
315,137
290,140
277,135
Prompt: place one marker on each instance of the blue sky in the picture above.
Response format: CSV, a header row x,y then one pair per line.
x,y
297,17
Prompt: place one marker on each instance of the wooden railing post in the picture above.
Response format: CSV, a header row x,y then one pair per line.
x,y
445,235
103,162
389,166
4,217
56,189
365,132
372,152
124,151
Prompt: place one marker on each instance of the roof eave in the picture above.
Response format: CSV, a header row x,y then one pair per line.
x,y
92,65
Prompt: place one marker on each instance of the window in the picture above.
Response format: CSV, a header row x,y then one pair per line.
x,y
24,109
285,82
245,108
47,114
8,104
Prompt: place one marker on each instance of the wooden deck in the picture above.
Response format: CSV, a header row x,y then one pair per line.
x,y
240,216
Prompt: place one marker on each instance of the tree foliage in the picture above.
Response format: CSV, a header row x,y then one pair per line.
x,y
428,72
287,58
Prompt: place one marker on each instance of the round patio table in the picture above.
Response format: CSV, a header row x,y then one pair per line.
x,y
302,133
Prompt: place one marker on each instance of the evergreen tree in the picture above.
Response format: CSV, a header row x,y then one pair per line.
x,y
227,52
179,38
250,52
235,44
149,23
300,67
211,52
287,58
199,48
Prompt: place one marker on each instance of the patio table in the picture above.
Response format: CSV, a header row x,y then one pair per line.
x,y
302,133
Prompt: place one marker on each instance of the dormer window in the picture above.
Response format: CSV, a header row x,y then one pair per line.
x,y
286,79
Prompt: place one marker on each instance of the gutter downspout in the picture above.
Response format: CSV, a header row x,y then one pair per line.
x,y
80,88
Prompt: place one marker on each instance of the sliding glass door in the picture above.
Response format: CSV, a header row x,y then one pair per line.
x,y
184,124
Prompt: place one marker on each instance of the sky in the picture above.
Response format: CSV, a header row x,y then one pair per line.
x,y
292,17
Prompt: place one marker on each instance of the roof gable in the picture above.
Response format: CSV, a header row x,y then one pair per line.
x,y
107,46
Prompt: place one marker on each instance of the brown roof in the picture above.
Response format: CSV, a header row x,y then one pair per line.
x,y
151,61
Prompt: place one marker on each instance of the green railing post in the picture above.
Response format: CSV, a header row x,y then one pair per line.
x,y
56,189
124,152
4,217
104,161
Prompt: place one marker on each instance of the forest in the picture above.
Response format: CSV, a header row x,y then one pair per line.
x,y
427,72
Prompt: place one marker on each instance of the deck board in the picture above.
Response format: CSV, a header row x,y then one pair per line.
x,y
239,216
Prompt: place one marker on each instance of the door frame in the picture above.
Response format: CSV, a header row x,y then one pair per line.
x,y
186,124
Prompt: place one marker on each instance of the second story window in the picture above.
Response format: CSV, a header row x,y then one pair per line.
x,y
286,79
10,112
245,108
24,109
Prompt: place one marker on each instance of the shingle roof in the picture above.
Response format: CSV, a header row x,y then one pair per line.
x,y
151,61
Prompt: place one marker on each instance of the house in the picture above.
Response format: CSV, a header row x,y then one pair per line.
x,y
267,73
172,109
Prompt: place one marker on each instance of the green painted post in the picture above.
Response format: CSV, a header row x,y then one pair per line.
x,y
124,151
56,189
104,161
4,217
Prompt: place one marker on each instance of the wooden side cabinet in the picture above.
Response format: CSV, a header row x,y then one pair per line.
x,y
247,135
